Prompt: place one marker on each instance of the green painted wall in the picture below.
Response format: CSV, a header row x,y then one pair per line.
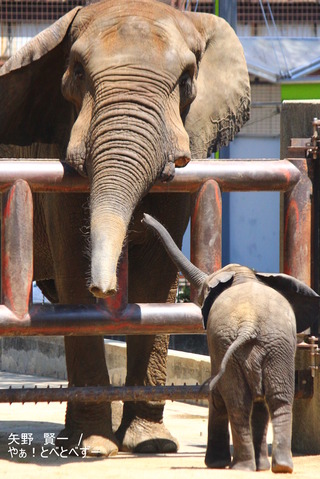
x,y
300,91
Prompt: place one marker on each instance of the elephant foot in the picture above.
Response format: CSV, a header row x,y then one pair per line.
x,y
248,465
216,464
146,437
282,468
262,464
81,443
217,460
282,464
88,429
281,458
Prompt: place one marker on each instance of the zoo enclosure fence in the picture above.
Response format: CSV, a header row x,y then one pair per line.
x,y
20,20
204,180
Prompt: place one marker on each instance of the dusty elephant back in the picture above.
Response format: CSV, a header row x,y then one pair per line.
x,y
255,322
254,306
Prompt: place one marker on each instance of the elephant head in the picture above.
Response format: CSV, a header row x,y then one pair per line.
x,y
127,89
304,301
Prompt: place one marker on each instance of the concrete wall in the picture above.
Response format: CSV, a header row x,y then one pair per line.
x,y
44,356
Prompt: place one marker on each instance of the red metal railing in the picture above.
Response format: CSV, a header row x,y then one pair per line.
x,y
204,179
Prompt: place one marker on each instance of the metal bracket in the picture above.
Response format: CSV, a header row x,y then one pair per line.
x,y
314,354
313,147
304,378
303,384
308,148
311,343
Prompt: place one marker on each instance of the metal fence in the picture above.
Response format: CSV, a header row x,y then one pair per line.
x,y
21,20
285,18
204,180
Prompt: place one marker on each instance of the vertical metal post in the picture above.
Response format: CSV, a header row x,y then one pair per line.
x,y
206,222
297,237
17,247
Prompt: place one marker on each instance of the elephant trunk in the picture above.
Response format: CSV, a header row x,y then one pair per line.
x,y
108,231
126,159
190,271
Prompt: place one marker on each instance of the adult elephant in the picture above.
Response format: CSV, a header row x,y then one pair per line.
x,y
123,91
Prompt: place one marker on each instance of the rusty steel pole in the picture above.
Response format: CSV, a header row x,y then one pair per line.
x,y
232,175
297,236
206,221
103,393
70,320
17,248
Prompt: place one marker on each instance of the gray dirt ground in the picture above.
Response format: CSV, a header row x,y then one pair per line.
x,y
187,422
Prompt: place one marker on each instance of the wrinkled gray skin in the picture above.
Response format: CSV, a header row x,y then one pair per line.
x,y
123,91
251,321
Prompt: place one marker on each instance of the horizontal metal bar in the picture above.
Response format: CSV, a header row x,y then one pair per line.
x,y
126,393
103,393
234,175
231,175
67,320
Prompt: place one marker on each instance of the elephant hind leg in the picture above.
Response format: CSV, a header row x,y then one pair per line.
x,y
279,397
281,418
239,405
218,446
259,427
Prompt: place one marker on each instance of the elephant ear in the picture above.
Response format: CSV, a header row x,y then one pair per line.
x,y
214,286
33,109
305,301
222,103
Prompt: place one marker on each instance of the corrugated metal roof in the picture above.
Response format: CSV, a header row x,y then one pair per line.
x,y
278,59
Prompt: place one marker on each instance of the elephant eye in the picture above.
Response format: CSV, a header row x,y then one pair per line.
x,y
186,82
187,90
78,71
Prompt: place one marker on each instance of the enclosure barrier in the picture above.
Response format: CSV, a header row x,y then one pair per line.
x,y
204,180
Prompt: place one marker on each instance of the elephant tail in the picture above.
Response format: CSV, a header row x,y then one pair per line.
x,y
239,341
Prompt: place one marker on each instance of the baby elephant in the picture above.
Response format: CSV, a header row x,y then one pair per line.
x,y
251,322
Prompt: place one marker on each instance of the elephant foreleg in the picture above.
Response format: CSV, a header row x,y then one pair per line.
x,y
152,278
85,358
88,422
142,429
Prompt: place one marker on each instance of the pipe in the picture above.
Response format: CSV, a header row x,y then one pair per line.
x,y
231,175
73,320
